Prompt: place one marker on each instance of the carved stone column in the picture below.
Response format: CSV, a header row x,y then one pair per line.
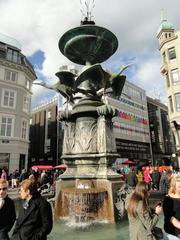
x,y
85,135
89,148
105,139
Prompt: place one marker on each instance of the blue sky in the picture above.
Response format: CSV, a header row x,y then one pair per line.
x,y
39,24
37,58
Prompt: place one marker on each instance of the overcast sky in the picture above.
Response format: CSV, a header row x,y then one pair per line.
x,y
38,25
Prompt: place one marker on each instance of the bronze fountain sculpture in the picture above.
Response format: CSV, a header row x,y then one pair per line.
x,y
87,189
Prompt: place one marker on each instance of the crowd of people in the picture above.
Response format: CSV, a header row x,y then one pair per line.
x,y
41,176
143,218
157,180
35,218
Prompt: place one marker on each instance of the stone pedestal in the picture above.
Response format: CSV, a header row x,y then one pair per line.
x,y
89,150
89,147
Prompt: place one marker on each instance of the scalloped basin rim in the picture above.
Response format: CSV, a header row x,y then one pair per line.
x,y
88,43
87,29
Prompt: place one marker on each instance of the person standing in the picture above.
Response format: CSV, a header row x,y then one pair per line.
x,y
147,175
35,216
24,175
44,178
139,176
142,219
7,211
155,178
171,208
14,179
131,178
164,182
4,175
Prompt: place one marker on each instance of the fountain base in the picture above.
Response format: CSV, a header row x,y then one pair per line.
x,y
86,205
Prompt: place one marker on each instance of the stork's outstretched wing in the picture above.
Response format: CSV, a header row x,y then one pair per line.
x,y
64,90
117,81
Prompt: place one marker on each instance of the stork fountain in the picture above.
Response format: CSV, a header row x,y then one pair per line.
x,y
87,189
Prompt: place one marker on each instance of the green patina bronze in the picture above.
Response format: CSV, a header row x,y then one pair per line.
x,y
89,147
88,43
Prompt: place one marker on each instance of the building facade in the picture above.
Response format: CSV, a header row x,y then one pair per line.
x,y
169,47
46,133
131,126
16,76
162,140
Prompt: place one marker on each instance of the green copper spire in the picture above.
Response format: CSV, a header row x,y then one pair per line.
x,y
165,25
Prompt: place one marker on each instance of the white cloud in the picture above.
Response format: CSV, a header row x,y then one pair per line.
x,y
147,76
38,24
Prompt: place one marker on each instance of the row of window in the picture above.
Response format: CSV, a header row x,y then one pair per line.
x,y
134,93
165,36
13,55
10,54
131,130
173,77
177,102
7,127
132,104
12,76
9,98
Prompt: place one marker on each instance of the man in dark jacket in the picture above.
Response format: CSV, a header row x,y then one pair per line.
x,y
155,175
164,182
7,211
131,178
35,216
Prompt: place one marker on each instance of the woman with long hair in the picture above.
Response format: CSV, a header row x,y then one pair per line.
x,y
171,208
142,219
